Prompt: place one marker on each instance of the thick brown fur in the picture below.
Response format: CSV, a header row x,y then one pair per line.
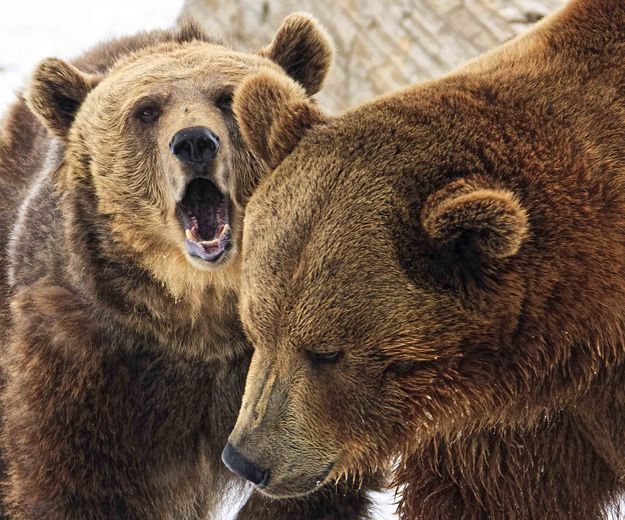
x,y
123,360
437,278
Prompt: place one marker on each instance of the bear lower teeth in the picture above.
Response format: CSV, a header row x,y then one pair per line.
x,y
219,233
215,241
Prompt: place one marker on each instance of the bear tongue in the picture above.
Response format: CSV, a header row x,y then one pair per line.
x,y
206,222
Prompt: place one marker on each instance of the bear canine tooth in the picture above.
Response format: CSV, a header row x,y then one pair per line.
x,y
226,229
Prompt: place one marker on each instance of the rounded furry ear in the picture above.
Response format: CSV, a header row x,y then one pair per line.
x,y
273,114
303,49
464,215
56,91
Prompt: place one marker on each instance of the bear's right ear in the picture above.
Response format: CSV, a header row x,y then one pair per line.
x,y
56,91
475,222
303,49
274,113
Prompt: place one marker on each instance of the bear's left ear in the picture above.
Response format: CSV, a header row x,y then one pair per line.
x,y
273,113
56,91
475,221
304,50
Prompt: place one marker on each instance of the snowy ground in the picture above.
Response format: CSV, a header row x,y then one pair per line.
x,y
31,30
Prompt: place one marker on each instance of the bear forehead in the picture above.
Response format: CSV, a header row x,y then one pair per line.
x,y
425,139
192,61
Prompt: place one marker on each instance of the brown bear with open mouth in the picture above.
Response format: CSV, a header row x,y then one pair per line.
x,y
123,359
439,275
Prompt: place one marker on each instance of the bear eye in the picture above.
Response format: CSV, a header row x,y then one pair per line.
x,y
325,358
148,114
224,101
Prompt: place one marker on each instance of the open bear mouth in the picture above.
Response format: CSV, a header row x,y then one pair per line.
x,y
204,213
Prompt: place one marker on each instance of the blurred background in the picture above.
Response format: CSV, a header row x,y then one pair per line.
x,y
381,45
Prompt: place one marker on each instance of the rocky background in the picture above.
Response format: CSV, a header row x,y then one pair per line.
x,y
381,45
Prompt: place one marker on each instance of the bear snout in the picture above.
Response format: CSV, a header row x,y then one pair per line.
x,y
196,145
244,467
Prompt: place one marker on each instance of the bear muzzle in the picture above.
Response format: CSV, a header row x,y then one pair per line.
x,y
244,467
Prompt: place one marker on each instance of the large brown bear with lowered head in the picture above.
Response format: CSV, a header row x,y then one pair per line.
x,y
439,275
124,361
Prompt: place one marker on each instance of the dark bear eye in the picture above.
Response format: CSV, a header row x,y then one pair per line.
x,y
325,358
148,114
224,101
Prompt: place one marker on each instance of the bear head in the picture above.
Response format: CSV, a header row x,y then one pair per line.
x,y
384,273
152,150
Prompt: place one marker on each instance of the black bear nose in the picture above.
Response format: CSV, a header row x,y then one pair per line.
x,y
243,467
196,145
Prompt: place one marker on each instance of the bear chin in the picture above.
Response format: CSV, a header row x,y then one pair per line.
x,y
204,214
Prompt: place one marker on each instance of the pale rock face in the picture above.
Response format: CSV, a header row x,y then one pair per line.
x,y
381,45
